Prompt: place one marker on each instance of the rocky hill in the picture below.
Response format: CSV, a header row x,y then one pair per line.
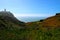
x,y
8,19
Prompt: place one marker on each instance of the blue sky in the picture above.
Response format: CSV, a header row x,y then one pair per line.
x,y
42,8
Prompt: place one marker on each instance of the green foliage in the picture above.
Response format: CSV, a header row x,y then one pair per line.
x,y
13,33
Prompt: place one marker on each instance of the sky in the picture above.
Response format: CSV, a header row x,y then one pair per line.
x,y
37,8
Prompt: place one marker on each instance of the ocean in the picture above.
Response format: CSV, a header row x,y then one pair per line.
x,y
30,19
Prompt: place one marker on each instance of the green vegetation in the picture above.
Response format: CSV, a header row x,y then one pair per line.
x,y
29,34
10,30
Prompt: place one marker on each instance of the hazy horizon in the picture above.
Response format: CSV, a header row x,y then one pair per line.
x,y
30,19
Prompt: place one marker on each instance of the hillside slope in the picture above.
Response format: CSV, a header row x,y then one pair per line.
x,y
10,30
53,21
45,29
10,27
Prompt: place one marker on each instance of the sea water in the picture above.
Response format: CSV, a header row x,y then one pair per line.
x,y
30,19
